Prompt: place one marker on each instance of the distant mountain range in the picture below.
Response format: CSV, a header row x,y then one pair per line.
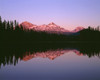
x,y
50,28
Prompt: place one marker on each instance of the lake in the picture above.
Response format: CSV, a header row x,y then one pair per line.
x,y
67,63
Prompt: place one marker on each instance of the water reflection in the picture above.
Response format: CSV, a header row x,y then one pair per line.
x,y
50,54
11,56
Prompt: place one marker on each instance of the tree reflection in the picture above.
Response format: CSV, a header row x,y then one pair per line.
x,y
11,55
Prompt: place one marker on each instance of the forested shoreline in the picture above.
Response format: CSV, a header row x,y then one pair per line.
x,y
13,33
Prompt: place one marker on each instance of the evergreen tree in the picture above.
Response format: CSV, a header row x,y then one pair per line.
x,y
16,25
8,26
0,23
11,25
21,27
4,25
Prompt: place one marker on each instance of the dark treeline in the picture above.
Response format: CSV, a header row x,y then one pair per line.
x,y
11,32
90,34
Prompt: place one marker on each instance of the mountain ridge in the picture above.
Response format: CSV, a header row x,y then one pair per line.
x,y
50,28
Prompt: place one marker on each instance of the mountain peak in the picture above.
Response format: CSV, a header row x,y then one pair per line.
x,y
52,23
27,25
26,22
78,29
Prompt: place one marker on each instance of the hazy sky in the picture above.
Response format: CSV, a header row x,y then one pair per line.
x,y
66,13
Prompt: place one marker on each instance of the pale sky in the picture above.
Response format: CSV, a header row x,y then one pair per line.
x,y
66,13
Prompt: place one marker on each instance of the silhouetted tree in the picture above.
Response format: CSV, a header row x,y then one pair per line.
x,y
11,25
17,28
21,27
4,25
8,26
0,22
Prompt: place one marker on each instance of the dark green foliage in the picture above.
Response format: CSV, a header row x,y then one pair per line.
x,y
8,26
11,25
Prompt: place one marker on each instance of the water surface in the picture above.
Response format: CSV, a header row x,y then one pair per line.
x,y
50,64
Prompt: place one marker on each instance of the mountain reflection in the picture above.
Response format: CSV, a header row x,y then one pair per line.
x,y
11,56
50,54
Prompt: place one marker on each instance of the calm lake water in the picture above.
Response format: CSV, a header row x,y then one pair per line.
x,y
50,64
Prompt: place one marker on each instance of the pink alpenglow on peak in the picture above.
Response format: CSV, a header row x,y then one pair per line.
x,y
52,23
27,25
78,29
50,28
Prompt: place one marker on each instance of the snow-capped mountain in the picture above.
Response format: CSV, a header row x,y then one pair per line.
x,y
50,28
